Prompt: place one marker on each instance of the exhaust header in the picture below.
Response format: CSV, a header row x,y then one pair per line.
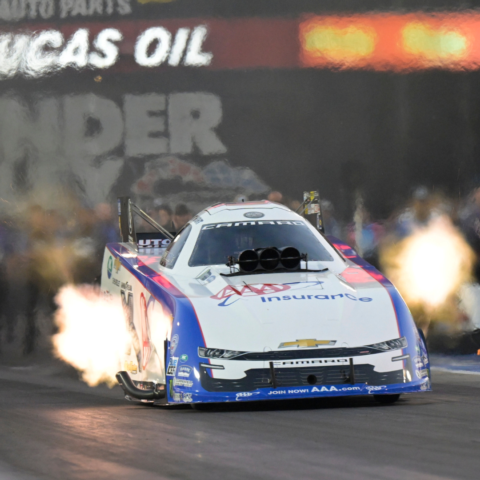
x,y
124,380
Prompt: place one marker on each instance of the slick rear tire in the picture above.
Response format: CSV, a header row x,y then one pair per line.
x,y
386,399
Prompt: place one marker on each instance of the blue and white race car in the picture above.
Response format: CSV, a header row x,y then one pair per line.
x,y
248,302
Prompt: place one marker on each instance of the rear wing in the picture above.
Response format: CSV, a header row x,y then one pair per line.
x,y
311,209
126,210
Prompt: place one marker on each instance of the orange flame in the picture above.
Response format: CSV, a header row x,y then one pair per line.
x,y
430,265
92,334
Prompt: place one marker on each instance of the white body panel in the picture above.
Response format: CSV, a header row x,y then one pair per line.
x,y
335,303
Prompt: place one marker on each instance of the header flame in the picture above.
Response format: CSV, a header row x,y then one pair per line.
x,y
92,334
430,265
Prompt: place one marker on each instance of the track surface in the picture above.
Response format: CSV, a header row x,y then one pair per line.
x,y
54,427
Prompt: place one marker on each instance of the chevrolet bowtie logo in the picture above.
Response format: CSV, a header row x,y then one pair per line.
x,y
306,343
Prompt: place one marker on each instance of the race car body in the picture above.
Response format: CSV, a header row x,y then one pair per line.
x,y
249,301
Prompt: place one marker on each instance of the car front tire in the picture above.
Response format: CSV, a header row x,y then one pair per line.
x,y
386,399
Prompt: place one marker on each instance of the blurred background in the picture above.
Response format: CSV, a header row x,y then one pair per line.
x,y
184,103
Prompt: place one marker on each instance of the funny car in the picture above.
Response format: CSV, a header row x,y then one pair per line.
x,y
251,301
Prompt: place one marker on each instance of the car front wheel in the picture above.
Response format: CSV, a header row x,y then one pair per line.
x,y
386,399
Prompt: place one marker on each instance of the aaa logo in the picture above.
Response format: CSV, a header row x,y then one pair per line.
x,y
254,290
250,290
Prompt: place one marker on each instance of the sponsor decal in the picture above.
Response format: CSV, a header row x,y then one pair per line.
x,y
241,395
269,292
173,344
316,297
206,277
426,385
187,397
307,343
117,264
154,243
335,389
184,358
254,215
181,382
212,226
422,373
131,367
375,388
126,286
314,390
418,362
250,290
184,371
116,282
232,293
109,267
172,366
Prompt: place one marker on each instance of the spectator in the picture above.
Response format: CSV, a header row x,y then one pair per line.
x,y
330,224
106,229
470,226
419,214
275,196
295,205
365,235
165,217
181,216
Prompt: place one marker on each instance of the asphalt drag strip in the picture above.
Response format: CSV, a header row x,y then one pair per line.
x,y
53,426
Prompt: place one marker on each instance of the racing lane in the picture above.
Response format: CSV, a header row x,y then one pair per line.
x,y
54,427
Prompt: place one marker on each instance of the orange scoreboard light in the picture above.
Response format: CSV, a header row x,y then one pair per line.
x,y
392,42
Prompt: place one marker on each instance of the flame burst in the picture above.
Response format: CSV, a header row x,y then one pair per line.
x,y
430,265
92,335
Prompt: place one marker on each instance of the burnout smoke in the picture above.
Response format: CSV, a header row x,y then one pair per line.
x,y
92,335
430,265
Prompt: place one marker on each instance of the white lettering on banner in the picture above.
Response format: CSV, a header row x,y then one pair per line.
x,y
76,50
144,116
178,47
156,35
104,43
16,10
39,58
77,129
162,39
48,51
104,118
195,57
12,48
192,118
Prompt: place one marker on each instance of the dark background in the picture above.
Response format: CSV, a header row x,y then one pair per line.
x,y
381,134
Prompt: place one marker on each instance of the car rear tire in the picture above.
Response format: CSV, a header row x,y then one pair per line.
x,y
386,399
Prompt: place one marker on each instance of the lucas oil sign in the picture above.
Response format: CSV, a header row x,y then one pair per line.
x,y
38,54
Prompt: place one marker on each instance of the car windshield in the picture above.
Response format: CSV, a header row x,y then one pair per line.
x,y
217,241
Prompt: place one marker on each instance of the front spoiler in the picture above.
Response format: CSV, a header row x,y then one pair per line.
x,y
178,395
